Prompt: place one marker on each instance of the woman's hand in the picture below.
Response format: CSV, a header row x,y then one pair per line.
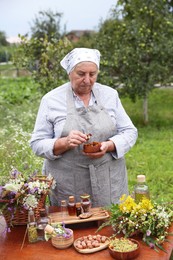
x,y
107,146
75,138
64,144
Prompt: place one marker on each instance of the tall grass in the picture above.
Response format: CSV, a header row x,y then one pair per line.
x,y
19,100
152,155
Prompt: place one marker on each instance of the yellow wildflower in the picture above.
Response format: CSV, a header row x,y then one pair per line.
x,y
143,206
127,204
146,204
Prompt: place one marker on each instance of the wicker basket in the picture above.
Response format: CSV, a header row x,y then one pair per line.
x,y
61,242
17,215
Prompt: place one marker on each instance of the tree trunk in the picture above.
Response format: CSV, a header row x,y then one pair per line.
x,y
145,109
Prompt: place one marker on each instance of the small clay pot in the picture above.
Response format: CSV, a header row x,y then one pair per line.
x,y
93,147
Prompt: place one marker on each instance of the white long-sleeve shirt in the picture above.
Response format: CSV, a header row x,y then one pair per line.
x,y
52,113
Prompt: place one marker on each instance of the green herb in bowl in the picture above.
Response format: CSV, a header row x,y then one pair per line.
x,y
124,248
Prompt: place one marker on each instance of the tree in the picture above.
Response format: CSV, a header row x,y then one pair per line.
x,y
46,70
42,53
86,40
3,41
47,23
137,42
5,48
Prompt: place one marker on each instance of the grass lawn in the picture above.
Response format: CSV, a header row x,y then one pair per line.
x,y
152,155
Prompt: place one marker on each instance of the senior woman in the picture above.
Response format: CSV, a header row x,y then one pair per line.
x,y
65,117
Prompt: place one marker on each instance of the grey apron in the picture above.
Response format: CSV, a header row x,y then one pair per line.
x,y
105,179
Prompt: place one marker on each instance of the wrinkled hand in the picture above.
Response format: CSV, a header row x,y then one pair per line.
x,y
75,138
103,149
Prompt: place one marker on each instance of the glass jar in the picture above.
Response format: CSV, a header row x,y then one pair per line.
x,y
32,227
85,202
64,211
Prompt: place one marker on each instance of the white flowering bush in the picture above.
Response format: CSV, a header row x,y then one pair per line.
x,y
15,134
150,219
16,152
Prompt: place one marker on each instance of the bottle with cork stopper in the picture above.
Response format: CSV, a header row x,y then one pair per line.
x,y
141,189
41,223
71,206
78,209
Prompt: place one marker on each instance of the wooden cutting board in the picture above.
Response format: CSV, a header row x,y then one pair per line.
x,y
97,214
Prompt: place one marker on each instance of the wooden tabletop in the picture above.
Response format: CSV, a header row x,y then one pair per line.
x,y
10,246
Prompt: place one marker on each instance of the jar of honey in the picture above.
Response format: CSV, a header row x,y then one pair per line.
x,y
85,202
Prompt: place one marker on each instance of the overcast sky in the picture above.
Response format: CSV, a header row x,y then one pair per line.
x,y
16,16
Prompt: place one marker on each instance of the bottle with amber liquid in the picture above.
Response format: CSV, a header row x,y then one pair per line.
x,y
32,227
78,209
71,206
141,189
42,223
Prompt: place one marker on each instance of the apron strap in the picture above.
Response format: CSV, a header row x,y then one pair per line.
x,y
94,183
71,104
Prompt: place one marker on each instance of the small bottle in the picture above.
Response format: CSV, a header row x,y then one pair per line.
x,y
78,209
32,227
85,202
42,223
141,189
71,206
64,211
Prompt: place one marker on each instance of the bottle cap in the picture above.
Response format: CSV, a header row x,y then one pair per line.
x,y
63,203
85,196
71,198
78,205
141,178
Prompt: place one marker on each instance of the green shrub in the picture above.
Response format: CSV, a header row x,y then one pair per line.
x,y
18,90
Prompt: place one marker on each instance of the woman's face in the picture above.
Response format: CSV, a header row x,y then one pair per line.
x,y
83,77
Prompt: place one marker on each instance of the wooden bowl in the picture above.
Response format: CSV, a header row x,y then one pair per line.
x,y
125,255
62,242
93,147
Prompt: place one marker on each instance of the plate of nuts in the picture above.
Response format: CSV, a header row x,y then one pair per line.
x,y
91,243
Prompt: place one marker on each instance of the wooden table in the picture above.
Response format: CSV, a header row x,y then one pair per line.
x,y
10,246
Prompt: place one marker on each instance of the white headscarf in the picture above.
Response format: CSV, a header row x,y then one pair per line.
x,y
78,55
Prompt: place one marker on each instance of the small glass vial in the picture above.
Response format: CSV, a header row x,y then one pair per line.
x,y
64,211
141,189
78,209
42,223
32,227
71,206
85,202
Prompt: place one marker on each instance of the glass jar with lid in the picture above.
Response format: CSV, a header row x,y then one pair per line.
x,y
85,202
